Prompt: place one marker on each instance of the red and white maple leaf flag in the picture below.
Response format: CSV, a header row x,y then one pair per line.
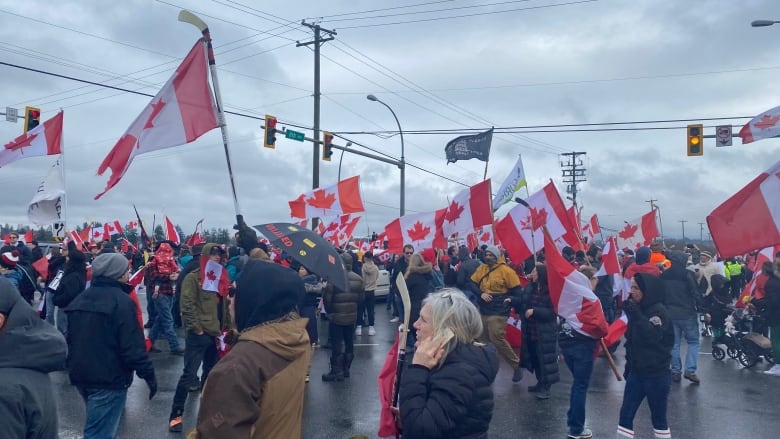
x,y
86,234
338,199
470,209
420,230
485,235
750,219
170,231
76,238
765,255
639,232
573,235
132,225
344,233
335,227
113,228
45,139
595,228
137,277
610,266
100,234
515,229
182,111
28,237
214,278
763,126
571,294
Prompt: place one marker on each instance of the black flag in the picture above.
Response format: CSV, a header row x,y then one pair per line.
x,y
144,242
476,146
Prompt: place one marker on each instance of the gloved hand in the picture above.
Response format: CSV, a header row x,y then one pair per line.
x,y
630,307
246,236
151,382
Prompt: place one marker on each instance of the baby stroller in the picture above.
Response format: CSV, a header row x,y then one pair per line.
x,y
741,344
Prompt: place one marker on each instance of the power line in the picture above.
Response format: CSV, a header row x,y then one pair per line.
x,y
430,11
382,9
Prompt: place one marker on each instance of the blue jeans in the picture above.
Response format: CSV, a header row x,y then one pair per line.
x,y
690,330
579,359
104,409
163,324
656,390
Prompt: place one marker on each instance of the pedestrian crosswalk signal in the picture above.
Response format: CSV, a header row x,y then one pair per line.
x,y
695,140
32,118
327,141
269,138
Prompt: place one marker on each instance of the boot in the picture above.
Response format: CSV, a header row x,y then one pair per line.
x,y
347,363
336,369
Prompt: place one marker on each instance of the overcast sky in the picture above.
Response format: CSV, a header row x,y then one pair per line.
x,y
552,63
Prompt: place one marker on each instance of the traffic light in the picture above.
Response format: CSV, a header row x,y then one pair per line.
x,y
327,141
696,140
270,131
32,118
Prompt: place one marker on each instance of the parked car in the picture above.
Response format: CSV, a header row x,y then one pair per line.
x,y
382,283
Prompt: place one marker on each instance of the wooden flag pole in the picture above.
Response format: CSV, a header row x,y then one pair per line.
x,y
610,360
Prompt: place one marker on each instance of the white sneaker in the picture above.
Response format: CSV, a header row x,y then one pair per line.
x,y
358,330
394,320
775,370
371,330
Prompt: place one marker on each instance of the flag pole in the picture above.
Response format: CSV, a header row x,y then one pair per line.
x,y
64,217
188,17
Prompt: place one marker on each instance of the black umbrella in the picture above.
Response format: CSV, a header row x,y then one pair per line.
x,y
309,249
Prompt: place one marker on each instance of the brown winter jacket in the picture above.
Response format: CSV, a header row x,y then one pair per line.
x,y
342,306
256,391
200,310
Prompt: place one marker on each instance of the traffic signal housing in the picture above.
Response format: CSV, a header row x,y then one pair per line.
x,y
327,141
269,137
695,140
32,118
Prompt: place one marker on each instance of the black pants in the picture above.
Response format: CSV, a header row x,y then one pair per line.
x,y
367,307
310,312
338,334
198,348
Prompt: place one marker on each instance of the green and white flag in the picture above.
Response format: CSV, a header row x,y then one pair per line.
x,y
514,181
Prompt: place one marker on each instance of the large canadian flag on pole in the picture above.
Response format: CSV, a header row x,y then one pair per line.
x,y
45,139
470,209
571,294
341,198
182,111
170,231
520,231
420,230
763,126
750,219
638,232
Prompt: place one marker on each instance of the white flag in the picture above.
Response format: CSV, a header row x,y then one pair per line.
x,y
514,181
45,207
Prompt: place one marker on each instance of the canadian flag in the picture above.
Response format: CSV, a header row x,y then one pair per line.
x,y
470,209
76,238
595,228
100,234
215,278
616,330
340,229
28,237
198,236
610,266
303,223
86,234
45,139
573,235
182,111
113,228
170,231
750,219
482,236
765,255
763,126
516,228
128,246
379,244
132,225
571,294
638,232
137,277
341,198
420,230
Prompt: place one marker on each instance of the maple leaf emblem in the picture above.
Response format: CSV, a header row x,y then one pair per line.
x,y
332,227
210,275
628,231
535,219
20,142
321,199
156,109
485,237
453,212
418,232
767,122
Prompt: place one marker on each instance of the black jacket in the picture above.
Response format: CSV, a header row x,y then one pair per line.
x,y
772,288
342,306
542,328
30,348
73,282
650,334
106,343
682,294
454,400
419,283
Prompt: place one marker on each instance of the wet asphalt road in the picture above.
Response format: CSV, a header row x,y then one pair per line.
x,y
731,402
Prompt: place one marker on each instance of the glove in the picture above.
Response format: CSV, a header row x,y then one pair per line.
x,y
246,236
151,382
630,308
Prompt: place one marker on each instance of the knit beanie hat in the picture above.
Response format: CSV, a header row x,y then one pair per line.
x,y
428,255
110,265
9,259
493,249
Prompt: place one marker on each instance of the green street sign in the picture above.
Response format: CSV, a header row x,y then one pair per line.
x,y
295,135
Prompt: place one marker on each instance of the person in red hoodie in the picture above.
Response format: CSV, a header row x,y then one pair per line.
x,y
642,264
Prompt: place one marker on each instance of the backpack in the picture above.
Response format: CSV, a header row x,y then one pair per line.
x,y
27,286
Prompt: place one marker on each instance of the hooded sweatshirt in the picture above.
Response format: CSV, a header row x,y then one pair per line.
x,y
257,390
650,334
30,348
682,295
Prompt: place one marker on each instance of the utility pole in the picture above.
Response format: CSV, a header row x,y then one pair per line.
x,y
657,209
573,172
701,232
317,42
683,228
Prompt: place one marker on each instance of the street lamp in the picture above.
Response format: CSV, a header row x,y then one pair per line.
x,y
402,163
763,23
341,159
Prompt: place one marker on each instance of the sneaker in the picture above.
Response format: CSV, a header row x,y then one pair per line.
x,y
148,325
585,434
371,330
315,345
306,380
517,376
543,394
775,370
676,376
358,330
692,378
175,424
394,320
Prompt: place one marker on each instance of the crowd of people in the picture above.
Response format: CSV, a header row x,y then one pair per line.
x,y
252,338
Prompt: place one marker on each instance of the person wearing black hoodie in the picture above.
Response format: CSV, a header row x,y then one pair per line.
x,y
683,302
29,349
71,284
649,341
